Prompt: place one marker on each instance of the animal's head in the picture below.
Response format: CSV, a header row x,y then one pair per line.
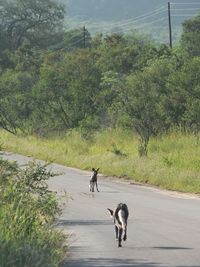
x,y
95,171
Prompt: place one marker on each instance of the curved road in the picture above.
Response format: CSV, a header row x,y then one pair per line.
x,y
163,227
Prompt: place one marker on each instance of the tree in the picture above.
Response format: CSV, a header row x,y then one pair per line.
x,y
190,38
187,82
117,55
15,100
33,20
67,90
109,100
79,38
144,101
27,58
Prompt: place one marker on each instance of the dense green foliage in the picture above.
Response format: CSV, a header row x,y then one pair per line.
x,y
51,82
27,213
36,21
191,36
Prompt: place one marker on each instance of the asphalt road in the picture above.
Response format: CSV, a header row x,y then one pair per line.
x,y
163,227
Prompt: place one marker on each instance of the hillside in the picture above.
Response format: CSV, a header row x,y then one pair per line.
x,y
124,16
111,9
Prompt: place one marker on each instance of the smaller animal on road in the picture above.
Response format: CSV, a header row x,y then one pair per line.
x,y
93,180
120,217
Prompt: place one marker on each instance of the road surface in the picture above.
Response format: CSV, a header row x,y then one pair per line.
x,y
163,227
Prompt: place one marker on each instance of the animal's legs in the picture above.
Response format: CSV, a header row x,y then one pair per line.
x,y
97,186
116,232
120,237
125,234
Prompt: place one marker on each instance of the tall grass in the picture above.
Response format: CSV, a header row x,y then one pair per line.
x,y
27,214
172,163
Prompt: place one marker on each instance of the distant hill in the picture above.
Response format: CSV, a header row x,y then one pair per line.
x,y
112,9
123,16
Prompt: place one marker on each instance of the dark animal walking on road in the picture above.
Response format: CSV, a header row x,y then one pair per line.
x,y
120,216
93,180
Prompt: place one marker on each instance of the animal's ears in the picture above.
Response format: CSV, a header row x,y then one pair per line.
x,y
110,211
93,169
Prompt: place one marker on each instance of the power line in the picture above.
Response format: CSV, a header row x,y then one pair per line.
x,y
127,25
136,27
136,19
187,9
125,29
78,34
146,15
191,3
184,9
143,20
78,41
141,17
179,15
125,22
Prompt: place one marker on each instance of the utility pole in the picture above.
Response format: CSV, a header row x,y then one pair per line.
x,y
84,36
170,24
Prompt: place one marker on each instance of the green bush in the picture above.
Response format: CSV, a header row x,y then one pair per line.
x,y
27,213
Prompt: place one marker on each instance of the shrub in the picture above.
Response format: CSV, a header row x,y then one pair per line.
x,y
27,213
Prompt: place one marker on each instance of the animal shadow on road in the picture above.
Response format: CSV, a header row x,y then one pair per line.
x,y
170,248
83,222
112,262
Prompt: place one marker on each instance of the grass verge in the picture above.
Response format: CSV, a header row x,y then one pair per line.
x,y
173,161
27,214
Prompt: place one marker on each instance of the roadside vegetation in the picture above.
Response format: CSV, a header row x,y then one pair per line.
x,y
28,211
172,163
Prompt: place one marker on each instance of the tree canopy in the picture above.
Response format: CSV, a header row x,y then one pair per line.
x,y
191,36
39,22
53,80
